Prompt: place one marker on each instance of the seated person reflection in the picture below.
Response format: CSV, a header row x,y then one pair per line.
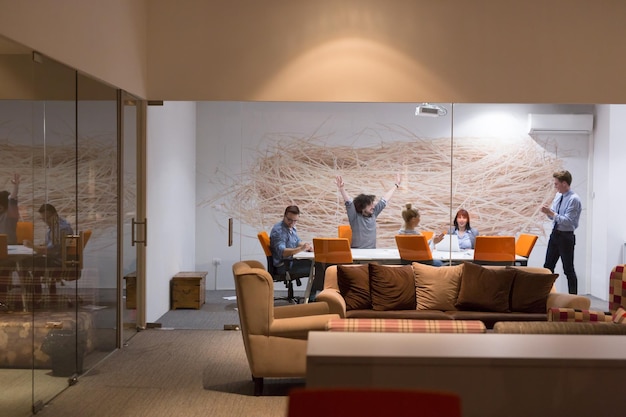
x,y
411,217
9,215
284,243
49,254
462,229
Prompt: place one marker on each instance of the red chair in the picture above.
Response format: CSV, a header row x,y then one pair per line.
x,y
357,402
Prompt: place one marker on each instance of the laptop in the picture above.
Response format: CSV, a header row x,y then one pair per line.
x,y
449,243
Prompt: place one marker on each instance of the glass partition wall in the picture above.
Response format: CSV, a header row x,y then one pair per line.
x,y
59,142
485,159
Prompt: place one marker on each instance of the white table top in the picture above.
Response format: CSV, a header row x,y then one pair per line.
x,y
477,346
19,250
392,255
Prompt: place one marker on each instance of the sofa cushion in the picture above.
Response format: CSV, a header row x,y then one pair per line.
x,y
529,293
392,287
619,316
354,286
485,289
405,326
436,288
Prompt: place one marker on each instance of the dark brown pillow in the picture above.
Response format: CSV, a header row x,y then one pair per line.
x,y
354,286
484,289
530,291
392,287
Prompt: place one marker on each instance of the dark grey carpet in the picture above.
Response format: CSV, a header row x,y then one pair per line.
x,y
213,315
165,373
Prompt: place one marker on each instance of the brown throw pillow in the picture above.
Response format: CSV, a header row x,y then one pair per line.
x,y
392,287
484,289
436,288
530,291
354,286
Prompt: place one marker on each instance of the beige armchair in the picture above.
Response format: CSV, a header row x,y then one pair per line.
x,y
275,338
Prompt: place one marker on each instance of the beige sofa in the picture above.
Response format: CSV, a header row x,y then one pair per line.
x,y
462,292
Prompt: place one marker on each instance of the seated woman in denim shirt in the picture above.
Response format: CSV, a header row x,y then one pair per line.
x,y
467,235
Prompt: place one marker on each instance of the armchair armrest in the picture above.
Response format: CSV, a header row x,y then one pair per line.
x,y
560,300
299,310
299,327
336,303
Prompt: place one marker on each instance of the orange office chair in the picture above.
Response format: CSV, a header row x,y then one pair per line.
x,y
371,402
72,249
327,251
264,239
524,246
4,246
414,248
429,234
344,230
25,231
494,250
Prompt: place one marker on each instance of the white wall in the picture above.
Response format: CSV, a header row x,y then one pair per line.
x,y
171,179
609,199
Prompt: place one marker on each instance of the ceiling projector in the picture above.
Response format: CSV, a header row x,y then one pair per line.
x,y
430,110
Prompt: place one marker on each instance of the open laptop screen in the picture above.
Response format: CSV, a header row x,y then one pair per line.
x,y
449,243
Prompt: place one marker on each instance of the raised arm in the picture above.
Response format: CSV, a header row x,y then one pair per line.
x,y
393,189
16,184
342,190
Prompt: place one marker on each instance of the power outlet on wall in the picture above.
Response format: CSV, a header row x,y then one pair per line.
x,y
217,261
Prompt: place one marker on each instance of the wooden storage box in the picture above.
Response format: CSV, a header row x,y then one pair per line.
x,y
188,289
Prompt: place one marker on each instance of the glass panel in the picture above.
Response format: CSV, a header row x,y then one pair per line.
x,y
16,127
97,173
53,209
130,116
58,148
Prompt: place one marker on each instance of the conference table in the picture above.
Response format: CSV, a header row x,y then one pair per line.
x,y
391,256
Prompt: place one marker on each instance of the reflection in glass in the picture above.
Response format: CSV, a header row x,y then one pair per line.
x,y
58,133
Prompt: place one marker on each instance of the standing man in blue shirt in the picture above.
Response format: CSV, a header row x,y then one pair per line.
x,y
284,243
565,213
362,214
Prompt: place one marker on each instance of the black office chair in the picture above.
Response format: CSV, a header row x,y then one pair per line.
x,y
264,239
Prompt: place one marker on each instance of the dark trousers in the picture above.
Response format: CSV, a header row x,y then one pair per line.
x,y
561,245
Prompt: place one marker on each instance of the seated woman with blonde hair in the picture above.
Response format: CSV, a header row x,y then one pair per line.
x,y
411,217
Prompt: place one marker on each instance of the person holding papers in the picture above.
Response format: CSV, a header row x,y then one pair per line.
x,y
564,214
462,229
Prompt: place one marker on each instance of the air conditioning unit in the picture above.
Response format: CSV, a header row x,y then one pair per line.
x,y
560,124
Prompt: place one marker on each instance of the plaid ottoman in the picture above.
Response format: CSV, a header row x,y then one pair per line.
x,y
405,326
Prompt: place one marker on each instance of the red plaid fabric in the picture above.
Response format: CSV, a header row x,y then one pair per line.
x,y
569,314
619,316
617,288
405,326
